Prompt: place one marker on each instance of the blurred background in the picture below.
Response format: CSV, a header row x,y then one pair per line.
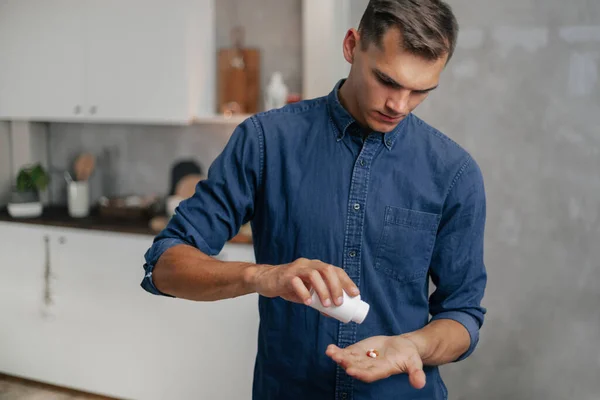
x,y
111,111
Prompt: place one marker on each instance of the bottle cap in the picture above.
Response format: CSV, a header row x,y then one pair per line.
x,y
361,312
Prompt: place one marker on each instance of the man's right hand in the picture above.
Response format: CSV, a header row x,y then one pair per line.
x,y
293,282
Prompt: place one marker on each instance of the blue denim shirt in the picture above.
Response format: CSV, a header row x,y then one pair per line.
x,y
392,210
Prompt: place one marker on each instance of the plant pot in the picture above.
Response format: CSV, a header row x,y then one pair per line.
x,y
24,204
30,196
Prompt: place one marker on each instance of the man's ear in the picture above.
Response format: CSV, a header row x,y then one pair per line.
x,y
350,46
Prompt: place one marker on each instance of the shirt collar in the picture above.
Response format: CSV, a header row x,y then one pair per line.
x,y
343,120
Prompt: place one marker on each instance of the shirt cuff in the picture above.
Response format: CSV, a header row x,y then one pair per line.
x,y
152,256
468,322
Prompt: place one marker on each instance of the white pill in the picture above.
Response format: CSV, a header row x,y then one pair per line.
x,y
372,353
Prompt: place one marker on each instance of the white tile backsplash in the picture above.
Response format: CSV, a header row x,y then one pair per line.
x,y
131,159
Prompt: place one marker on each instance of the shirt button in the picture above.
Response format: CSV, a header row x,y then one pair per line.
x,y
352,253
388,142
357,206
344,395
362,163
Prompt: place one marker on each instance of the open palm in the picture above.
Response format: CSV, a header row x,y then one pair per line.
x,y
397,355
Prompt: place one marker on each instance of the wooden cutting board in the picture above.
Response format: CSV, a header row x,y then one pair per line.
x,y
239,77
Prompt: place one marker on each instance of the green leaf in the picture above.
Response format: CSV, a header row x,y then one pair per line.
x,y
32,177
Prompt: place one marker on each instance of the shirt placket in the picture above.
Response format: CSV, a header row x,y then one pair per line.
x,y
353,247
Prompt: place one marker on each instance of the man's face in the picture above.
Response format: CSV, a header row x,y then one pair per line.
x,y
388,82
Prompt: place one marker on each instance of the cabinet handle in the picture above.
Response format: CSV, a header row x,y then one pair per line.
x,y
77,109
93,110
47,272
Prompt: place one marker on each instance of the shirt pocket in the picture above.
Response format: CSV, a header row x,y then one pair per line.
x,y
404,250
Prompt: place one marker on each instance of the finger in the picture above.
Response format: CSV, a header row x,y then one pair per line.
x,y
349,356
332,348
416,375
301,291
344,357
336,352
347,284
318,284
417,379
331,277
332,351
338,355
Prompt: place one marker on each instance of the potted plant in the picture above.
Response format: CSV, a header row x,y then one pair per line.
x,y
25,197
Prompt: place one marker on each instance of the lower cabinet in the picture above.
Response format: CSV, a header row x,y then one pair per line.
x,y
73,314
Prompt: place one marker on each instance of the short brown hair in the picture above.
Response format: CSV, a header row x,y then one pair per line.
x,y
429,27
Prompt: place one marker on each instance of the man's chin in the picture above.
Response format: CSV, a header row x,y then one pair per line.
x,y
382,127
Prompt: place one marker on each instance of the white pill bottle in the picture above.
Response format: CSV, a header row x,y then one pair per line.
x,y
352,308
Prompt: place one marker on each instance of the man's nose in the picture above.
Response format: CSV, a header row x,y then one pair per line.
x,y
399,103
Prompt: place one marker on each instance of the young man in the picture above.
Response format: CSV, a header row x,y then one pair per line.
x,y
346,192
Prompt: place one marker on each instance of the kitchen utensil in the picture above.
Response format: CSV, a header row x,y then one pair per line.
x,y
186,187
68,177
181,169
239,77
84,166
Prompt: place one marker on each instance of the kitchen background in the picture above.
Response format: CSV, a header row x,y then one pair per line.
x,y
521,94
136,159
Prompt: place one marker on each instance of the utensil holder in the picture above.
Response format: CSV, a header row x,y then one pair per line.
x,y
78,198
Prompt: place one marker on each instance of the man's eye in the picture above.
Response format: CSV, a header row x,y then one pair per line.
x,y
385,82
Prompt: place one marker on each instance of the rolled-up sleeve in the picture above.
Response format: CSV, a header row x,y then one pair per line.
x,y
457,268
221,204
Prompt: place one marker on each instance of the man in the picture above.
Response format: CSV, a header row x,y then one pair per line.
x,y
346,192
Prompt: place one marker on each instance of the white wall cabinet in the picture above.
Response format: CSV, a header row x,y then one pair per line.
x,y
42,64
135,61
91,327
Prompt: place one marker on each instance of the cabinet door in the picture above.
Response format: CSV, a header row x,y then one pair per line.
x,y
139,346
24,259
41,62
237,252
96,298
137,61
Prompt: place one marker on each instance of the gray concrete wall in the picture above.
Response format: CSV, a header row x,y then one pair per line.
x,y
522,95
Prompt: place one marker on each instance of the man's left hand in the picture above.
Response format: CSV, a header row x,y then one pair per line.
x,y
396,355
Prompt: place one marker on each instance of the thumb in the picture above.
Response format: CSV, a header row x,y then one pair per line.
x,y
416,375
